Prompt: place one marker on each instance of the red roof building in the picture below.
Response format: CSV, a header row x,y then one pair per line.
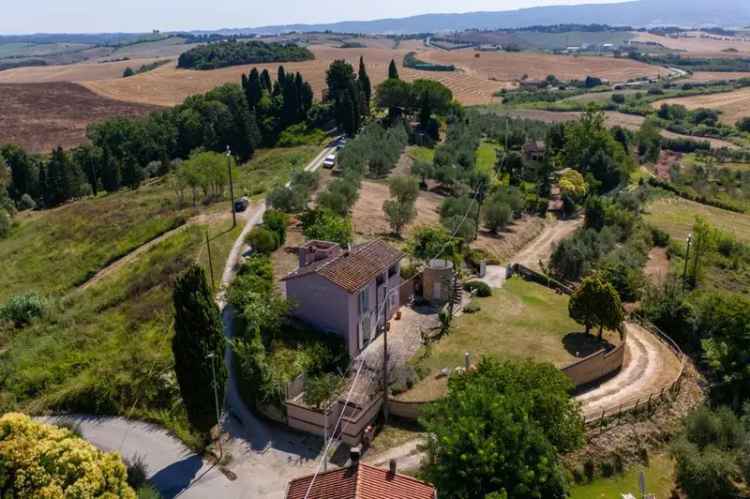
x,y
360,481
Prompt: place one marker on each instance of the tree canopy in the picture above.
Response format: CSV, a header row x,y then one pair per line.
x,y
236,52
41,460
596,303
500,430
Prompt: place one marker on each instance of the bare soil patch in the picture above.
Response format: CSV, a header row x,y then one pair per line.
x,y
657,267
369,220
516,236
41,116
704,76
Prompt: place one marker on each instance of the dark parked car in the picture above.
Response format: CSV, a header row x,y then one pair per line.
x,y
241,204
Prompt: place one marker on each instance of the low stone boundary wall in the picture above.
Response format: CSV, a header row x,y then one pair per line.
x,y
596,366
407,410
353,421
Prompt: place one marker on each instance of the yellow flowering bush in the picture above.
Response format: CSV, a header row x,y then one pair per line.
x,y
43,461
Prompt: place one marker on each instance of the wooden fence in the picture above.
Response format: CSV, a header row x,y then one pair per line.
x,y
544,280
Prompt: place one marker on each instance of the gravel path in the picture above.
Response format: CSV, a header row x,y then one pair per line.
x,y
542,247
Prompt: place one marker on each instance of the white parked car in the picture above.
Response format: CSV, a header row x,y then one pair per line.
x,y
330,161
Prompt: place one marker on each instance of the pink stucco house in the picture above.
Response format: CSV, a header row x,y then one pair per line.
x,y
346,291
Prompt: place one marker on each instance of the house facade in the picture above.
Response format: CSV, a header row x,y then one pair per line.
x,y
349,292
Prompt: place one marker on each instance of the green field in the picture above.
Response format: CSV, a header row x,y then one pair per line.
x,y
520,321
677,217
422,153
659,481
486,157
106,349
53,251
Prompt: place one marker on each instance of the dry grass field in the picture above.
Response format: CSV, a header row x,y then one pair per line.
x,y
677,217
40,116
704,76
511,66
85,71
167,85
695,46
733,105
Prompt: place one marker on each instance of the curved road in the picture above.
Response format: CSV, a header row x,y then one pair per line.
x,y
264,457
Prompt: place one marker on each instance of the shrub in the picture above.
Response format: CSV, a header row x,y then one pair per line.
x,y
607,469
22,309
319,389
263,240
41,460
589,469
473,307
327,226
479,288
403,378
148,491
277,222
618,98
5,224
661,238
26,203
137,472
497,215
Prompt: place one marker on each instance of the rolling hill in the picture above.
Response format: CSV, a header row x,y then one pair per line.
x,y
728,13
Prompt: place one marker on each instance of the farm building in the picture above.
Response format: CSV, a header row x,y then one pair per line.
x,y
349,292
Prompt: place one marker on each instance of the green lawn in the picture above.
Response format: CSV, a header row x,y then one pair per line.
x,y
421,153
522,320
659,481
486,157
677,216
271,168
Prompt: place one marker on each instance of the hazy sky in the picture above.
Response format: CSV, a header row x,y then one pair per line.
x,y
96,16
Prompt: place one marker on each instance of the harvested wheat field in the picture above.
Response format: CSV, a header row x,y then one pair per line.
x,y
85,71
707,76
733,105
41,116
512,66
167,85
695,46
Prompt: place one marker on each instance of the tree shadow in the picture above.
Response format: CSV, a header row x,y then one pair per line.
x,y
177,477
581,345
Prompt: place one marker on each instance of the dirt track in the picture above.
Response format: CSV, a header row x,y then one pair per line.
x,y
542,247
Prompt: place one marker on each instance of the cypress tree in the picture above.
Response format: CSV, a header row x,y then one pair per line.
x,y
281,76
198,333
265,81
132,173
365,85
254,89
110,174
392,71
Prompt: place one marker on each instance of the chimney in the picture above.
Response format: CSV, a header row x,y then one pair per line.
x,y
392,466
354,455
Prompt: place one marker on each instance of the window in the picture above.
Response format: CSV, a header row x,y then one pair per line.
x,y
393,270
380,280
364,300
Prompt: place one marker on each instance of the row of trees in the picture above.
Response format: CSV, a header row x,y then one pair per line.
x,y
278,104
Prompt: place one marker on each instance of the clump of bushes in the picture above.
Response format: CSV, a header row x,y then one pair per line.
x,y
473,307
478,288
22,309
262,240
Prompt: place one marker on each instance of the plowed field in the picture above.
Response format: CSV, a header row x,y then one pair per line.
x,y
41,116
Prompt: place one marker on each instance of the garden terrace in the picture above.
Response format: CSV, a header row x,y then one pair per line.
x,y
522,320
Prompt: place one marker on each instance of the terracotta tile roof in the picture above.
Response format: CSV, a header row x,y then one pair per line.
x,y
360,482
353,269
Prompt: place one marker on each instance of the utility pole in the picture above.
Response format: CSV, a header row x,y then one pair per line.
x,y
212,356
687,259
210,261
385,358
231,187
325,436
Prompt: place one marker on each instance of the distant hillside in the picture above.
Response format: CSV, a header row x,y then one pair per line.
x,y
728,13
